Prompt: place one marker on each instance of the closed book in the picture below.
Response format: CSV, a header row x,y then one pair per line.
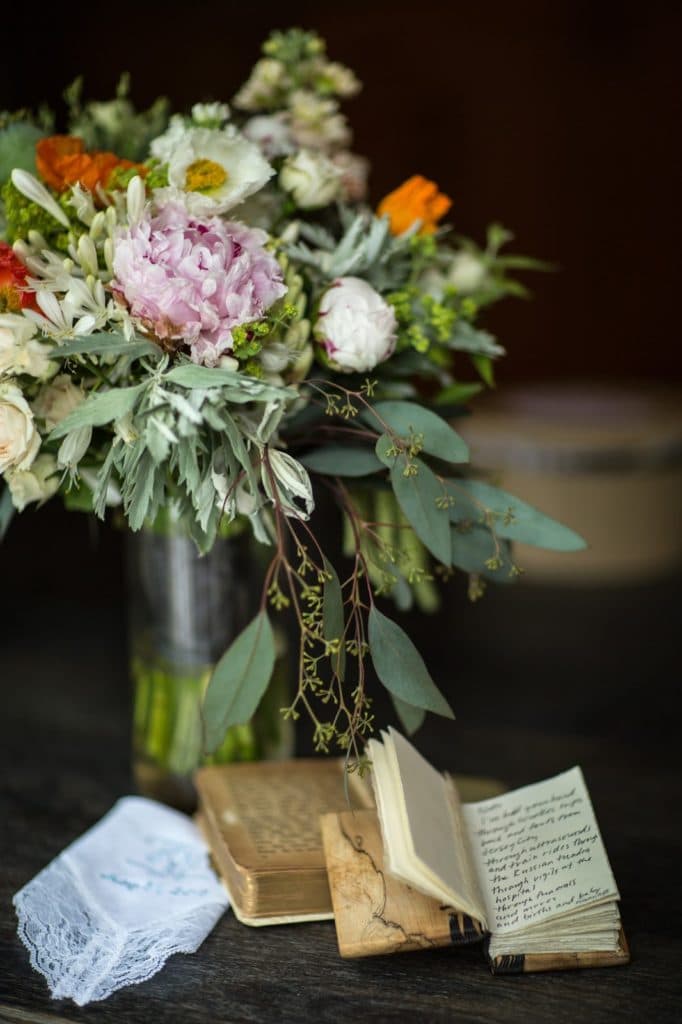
x,y
262,823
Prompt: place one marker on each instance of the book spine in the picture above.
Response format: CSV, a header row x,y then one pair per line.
x,y
463,929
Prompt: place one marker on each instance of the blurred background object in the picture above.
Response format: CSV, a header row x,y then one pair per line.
x,y
606,459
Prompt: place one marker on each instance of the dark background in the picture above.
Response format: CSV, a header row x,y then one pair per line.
x,y
559,119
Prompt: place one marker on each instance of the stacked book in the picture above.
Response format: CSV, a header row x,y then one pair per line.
x,y
416,859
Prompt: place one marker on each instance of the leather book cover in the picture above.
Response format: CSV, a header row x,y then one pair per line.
x,y
261,820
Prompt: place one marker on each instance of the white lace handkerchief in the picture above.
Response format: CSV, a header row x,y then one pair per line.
x,y
111,909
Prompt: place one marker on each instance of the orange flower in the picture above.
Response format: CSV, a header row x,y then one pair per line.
x,y
13,274
416,199
62,161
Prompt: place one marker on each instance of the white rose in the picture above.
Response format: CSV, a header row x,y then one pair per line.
x,y
20,352
467,272
311,178
355,325
19,439
57,400
38,483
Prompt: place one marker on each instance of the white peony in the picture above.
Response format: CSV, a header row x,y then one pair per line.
x,y
355,325
19,350
311,178
210,171
19,439
271,133
57,400
467,272
38,483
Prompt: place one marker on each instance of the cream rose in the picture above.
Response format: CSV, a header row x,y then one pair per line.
x,y
355,325
57,400
311,179
38,483
20,352
19,439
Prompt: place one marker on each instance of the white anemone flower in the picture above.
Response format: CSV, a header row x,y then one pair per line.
x,y
212,171
164,145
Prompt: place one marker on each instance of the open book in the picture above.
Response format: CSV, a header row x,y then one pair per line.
x,y
528,866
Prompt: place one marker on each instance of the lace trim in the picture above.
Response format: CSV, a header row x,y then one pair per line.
x,y
84,955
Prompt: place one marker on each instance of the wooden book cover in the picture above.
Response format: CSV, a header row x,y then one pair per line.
x,y
262,823
376,914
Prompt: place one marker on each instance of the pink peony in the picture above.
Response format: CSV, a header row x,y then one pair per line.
x,y
194,280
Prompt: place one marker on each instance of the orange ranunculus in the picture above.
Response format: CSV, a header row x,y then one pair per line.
x,y
13,273
62,161
416,199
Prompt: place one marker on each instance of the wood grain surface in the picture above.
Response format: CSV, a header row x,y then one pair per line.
x,y
64,760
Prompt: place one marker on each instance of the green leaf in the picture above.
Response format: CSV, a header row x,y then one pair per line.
x,y
406,418
473,547
484,367
6,511
401,668
411,718
458,394
106,345
341,460
513,519
188,375
482,345
417,496
333,618
141,491
239,681
98,409
79,498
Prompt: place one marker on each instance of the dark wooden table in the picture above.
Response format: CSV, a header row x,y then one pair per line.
x,y
541,681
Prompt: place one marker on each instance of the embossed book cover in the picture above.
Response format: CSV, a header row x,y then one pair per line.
x,y
262,822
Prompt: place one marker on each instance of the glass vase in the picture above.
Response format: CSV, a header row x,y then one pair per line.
x,y
184,611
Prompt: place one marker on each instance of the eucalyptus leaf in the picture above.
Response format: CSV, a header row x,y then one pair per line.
x,y
411,718
418,495
99,408
401,668
333,618
342,460
437,437
513,519
474,546
239,681
106,345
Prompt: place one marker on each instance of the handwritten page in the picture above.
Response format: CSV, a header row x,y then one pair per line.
x,y
538,852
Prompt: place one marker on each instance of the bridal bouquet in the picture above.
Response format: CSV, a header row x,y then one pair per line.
x,y
202,317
